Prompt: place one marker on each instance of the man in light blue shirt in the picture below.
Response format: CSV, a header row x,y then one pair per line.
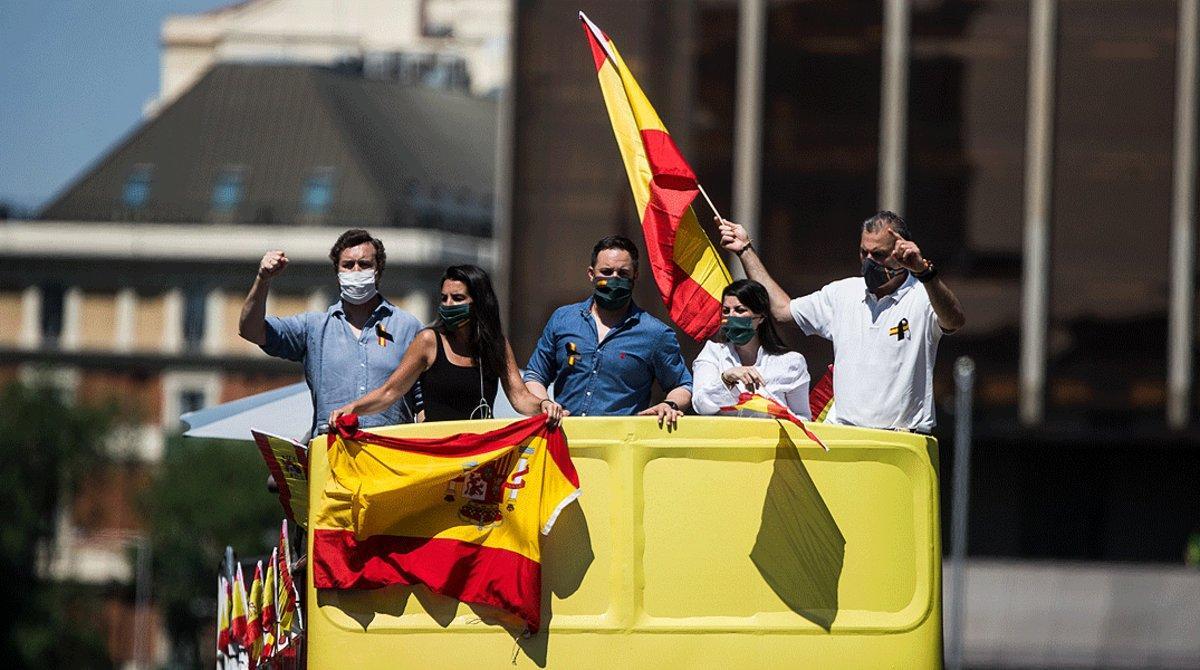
x,y
604,354
350,348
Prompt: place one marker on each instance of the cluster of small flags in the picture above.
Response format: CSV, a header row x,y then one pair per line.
x,y
265,628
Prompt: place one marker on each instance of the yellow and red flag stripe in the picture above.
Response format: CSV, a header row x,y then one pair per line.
x,y
223,604
288,463
688,271
459,514
287,596
253,641
753,404
820,396
267,616
238,623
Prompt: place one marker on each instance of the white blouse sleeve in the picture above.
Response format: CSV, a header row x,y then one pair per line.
x,y
794,384
709,393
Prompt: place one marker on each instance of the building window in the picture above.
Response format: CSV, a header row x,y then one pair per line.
x,y
194,305
53,298
137,186
185,392
318,192
191,400
227,193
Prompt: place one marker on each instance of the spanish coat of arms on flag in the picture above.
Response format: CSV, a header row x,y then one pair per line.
x,y
461,514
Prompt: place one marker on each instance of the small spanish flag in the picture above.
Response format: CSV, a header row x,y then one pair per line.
x,y
287,461
237,609
752,404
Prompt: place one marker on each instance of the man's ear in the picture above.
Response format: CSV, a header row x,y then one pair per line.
x,y
591,274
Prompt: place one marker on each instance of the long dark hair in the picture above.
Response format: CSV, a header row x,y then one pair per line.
x,y
754,296
486,336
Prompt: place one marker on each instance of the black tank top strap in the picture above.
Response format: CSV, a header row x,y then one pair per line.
x,y
452,392
441,351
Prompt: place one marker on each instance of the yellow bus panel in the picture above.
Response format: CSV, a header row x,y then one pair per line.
x,y
730,543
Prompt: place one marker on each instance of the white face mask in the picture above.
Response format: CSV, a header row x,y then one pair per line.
x,y
357,287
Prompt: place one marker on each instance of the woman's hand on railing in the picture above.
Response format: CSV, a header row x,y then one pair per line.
x,y
554,412
335,414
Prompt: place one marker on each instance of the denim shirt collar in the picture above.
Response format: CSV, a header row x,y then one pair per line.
x,y
631,318
383,310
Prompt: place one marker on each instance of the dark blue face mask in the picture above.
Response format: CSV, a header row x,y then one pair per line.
x,y
453,316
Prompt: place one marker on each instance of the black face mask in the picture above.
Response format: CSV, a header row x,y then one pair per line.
x,y
877,275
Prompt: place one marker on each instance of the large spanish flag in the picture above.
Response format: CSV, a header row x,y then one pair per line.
x,y
687,269
459,514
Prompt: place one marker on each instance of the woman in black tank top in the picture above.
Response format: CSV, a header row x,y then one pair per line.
x,y
454,391
461,360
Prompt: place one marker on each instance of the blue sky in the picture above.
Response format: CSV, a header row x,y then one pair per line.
x,y
74,77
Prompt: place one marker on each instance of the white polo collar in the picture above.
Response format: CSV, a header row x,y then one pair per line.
x,y
896,295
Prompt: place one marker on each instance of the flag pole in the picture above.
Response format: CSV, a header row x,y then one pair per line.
x,y
709,201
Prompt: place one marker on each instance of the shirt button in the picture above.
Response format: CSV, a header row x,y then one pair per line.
x,y
589,392
583,414
362,365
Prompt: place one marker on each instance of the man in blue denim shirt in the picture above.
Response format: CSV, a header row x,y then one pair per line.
x,y
347,350
603,354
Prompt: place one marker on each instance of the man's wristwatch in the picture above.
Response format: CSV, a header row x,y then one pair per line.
x,y
929,273
672,404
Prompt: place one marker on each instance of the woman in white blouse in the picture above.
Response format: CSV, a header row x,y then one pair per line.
x,y
748,355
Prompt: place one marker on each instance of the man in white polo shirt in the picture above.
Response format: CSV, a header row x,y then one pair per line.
x,y
884,325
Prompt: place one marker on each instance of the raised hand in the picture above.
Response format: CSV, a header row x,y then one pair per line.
x,y
733,236
907,254
273,264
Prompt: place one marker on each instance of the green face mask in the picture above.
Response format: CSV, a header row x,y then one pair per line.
x,y
454,316
738,329
613,292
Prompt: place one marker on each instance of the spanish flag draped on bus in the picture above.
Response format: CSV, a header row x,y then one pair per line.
x,y
459,514
687,268
755,405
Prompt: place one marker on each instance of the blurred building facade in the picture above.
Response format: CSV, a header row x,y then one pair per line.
x,y
439,43
281,124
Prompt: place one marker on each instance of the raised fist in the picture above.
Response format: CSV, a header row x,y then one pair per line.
x,y
273,263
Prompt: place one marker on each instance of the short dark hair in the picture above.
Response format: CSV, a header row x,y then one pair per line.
x,y
887,219
615,242
353,238
754,296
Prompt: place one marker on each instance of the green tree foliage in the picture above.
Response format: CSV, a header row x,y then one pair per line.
x,y
48,446
206,494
